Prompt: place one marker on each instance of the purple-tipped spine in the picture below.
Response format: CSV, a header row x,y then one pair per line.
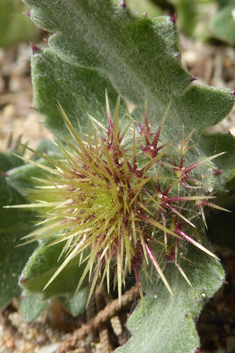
x,y
173,18
22,280
35,49
217,172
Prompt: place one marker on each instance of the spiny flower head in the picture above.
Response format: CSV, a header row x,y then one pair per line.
x,y
115,192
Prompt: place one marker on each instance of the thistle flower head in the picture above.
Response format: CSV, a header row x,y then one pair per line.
x,y
116,191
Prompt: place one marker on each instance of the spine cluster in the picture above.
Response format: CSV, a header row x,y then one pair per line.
x,y
117,191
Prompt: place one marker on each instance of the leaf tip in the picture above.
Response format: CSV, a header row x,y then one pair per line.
x,y
26,13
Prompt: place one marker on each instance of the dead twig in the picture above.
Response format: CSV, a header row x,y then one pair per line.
x,y
108,312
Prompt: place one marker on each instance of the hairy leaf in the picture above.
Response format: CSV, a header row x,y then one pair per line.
x,y
31,306
14,224
139,56
41,267
217,143
81,92
167,324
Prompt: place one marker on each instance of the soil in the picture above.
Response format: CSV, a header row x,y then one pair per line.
x,y
212,65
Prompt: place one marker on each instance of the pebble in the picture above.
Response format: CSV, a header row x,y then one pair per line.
x,y
50,348
10,343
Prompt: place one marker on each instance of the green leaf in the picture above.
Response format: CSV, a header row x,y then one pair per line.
x,y
41,267
139,56
22,178
77,304
191,17
79,91
168,322
222,24
31,306
14,224
188,15
14,26
217,143
47,147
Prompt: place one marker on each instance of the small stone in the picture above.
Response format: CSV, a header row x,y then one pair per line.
x,y
50,348
9,111
10,343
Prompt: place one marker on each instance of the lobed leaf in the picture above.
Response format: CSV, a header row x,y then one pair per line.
x,y
140,57
168,322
